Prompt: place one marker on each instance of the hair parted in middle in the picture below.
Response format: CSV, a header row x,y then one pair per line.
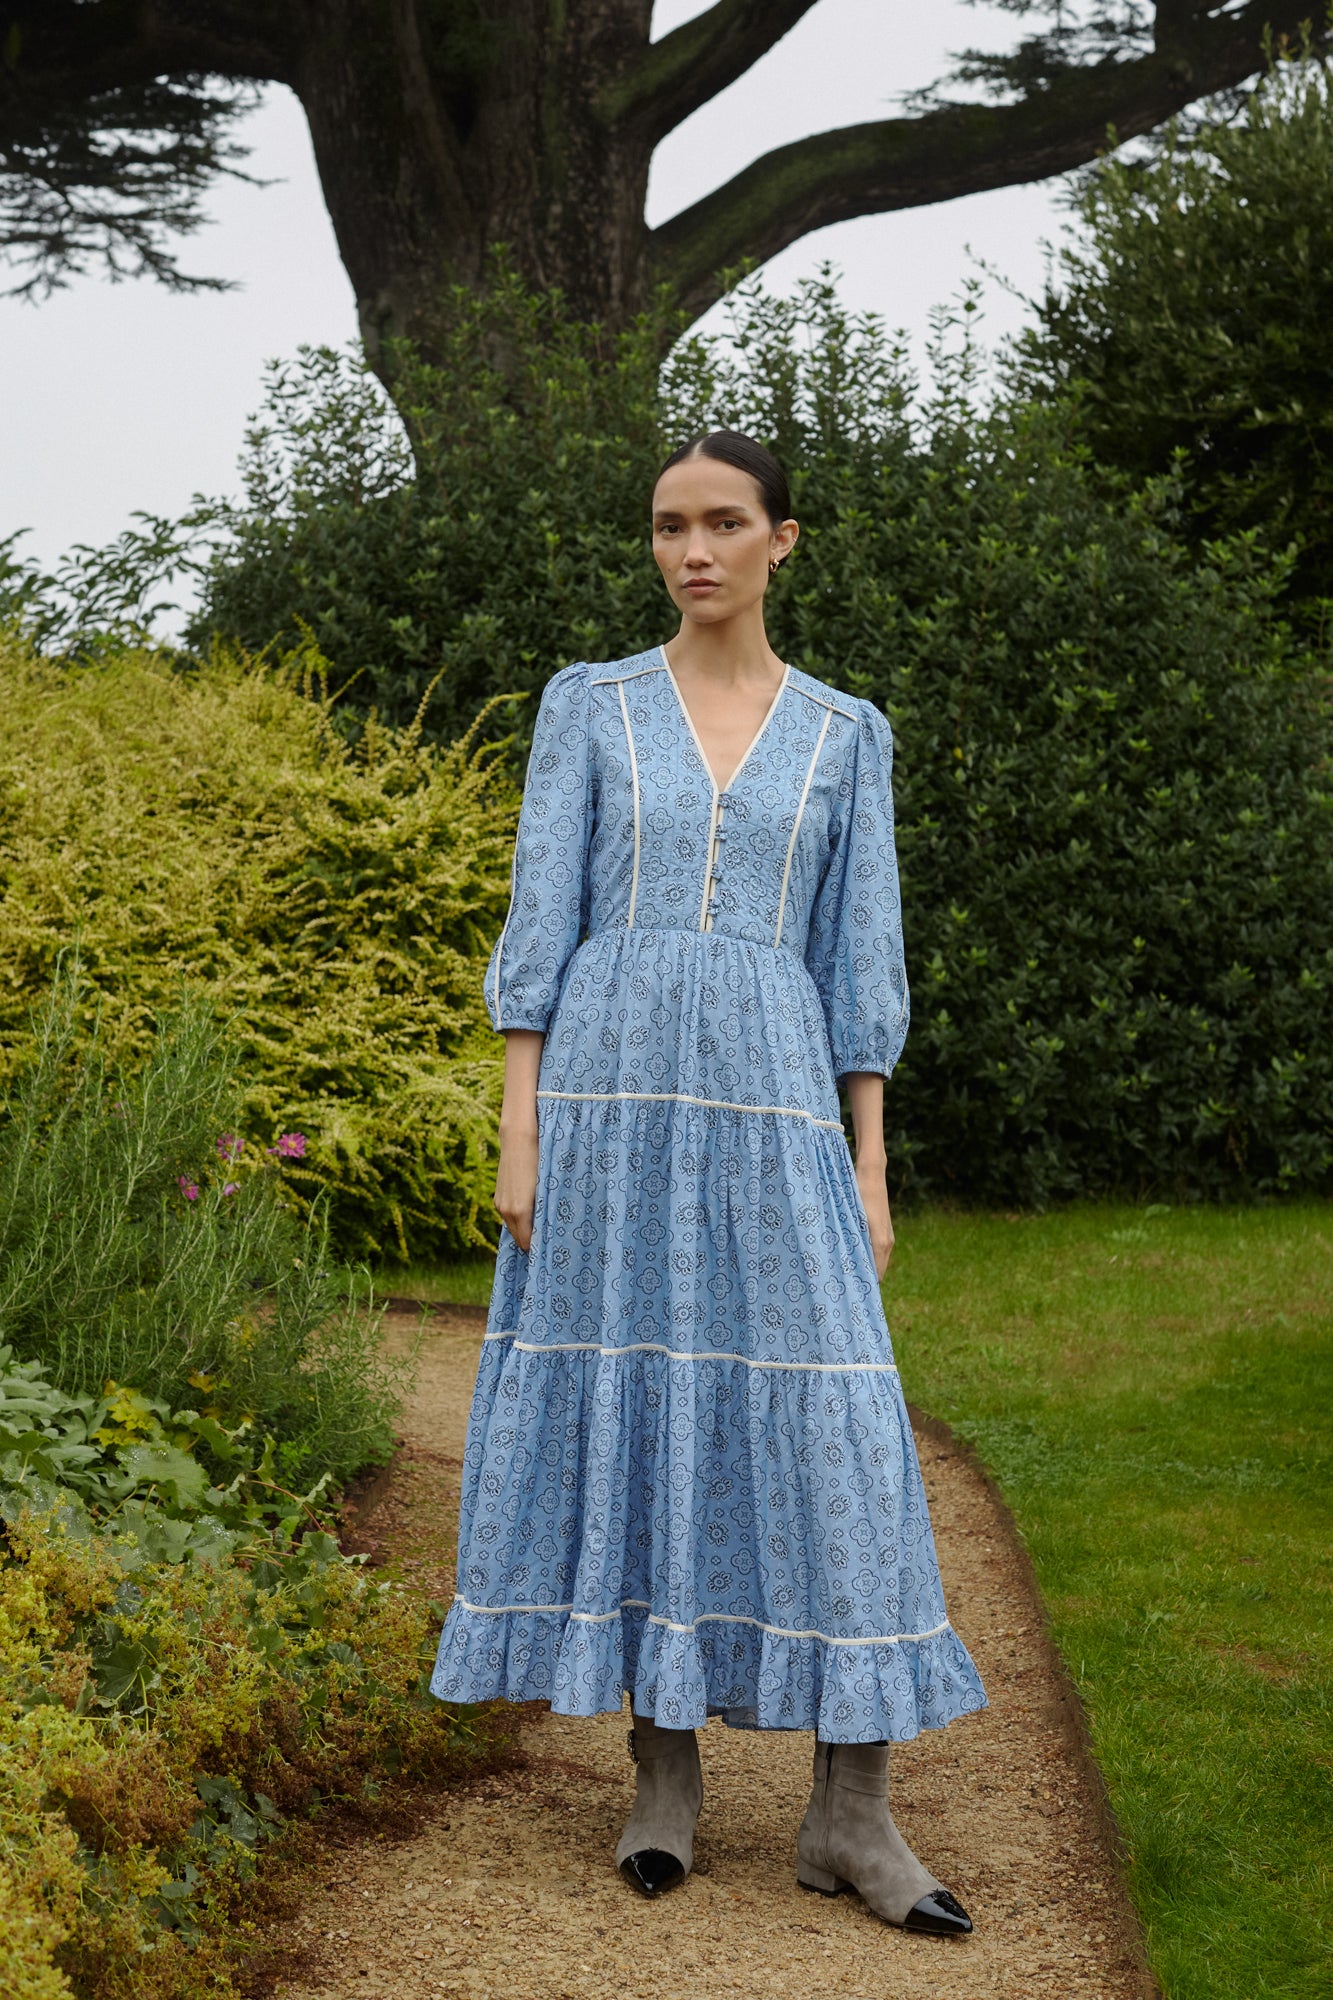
x,y
746,454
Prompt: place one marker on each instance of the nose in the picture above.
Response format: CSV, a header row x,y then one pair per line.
x,y
698,555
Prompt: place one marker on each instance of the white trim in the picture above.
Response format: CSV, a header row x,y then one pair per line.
x,y
682,1097
769,713
689,722
754,743
704,1618
688,1354
634,674
504,932
710,861
822,701
634,780
800,815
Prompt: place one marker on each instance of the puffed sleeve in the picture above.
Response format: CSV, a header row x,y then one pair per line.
x,y
855,948
549,896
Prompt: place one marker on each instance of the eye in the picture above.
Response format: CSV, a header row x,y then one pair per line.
x,y
729,524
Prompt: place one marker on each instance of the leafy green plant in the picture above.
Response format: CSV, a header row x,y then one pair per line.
x,y
182,1482
1113,804
210,830
1190,309
187,1665
129,1255
1112,754
168,1706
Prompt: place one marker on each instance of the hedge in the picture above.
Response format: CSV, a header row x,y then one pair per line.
x,y
209,830
1113,754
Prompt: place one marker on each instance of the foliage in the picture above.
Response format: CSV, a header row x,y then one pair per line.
x,y
152,1470
103,181
518,545
210,829
1113,802
170,1698
1151,1388
135,1247
1112,769
186,1659
1193,312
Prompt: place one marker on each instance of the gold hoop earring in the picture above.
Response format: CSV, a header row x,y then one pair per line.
x,y
774,565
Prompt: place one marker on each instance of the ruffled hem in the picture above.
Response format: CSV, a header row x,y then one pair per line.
x,y
850,1692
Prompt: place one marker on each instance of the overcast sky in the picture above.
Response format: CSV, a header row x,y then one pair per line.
x,y
120,397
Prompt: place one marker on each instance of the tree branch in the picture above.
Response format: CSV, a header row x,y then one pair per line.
x,y
64,44
953,150
111,131
673,77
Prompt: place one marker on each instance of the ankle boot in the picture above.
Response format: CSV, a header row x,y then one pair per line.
x,y
848,1841
656,1850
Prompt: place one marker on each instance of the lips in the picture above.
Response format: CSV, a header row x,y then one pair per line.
x,y
701,584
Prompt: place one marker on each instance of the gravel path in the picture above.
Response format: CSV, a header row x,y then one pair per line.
x,y
508,1890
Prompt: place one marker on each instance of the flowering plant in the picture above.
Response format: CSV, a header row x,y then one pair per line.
x,y
230,1149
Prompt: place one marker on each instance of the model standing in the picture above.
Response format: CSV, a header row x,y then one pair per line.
x,y
689,1471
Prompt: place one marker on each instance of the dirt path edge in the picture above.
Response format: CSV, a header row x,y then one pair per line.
x,y
1077,1728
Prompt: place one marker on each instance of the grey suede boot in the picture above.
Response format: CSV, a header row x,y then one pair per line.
x,y
656,1850
848,1841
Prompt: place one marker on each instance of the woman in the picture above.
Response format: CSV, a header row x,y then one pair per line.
x,y
689,1470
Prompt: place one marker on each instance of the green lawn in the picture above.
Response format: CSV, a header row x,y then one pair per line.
x,y
1154,1390
464,1283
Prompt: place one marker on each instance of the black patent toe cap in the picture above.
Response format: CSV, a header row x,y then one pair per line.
x,y
652,1871
939,1915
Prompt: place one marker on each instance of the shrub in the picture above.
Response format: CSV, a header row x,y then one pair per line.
x,y
1114,812
518,545
1192,309
187,1662
136,1248
210,829
168,1704
1112,754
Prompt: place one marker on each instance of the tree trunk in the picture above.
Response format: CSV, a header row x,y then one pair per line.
x,y
434,157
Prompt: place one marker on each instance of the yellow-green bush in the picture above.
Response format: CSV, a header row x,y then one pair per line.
x,y
213,830
159,1721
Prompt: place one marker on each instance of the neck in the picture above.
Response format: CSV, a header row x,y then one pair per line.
x,y
733,651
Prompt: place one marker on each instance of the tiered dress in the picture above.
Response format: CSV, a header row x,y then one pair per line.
x,y
689,1472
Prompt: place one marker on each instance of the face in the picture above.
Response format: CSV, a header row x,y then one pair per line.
x,y
713,540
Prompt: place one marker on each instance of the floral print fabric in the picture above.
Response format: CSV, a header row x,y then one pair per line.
x,y
689,1471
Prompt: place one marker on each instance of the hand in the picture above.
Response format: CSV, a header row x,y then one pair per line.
x,y
875,1200
516,1183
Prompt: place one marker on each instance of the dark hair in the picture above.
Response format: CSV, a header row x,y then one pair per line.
x,y
734,448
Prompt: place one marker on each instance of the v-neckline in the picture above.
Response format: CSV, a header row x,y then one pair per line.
x,y
750,748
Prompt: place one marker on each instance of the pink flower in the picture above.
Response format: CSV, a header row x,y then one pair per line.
x,y
230,1187
188,1188
230,1147
290,1146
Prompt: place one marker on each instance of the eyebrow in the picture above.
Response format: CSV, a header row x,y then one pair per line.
x,y
726,513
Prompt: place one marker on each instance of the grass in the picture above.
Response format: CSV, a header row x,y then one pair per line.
x,y
1153,1389
464,1282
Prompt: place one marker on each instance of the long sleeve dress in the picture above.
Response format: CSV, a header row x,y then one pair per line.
x,y
689,1472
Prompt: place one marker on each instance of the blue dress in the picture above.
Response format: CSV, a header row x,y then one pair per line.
x,y
689,1471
